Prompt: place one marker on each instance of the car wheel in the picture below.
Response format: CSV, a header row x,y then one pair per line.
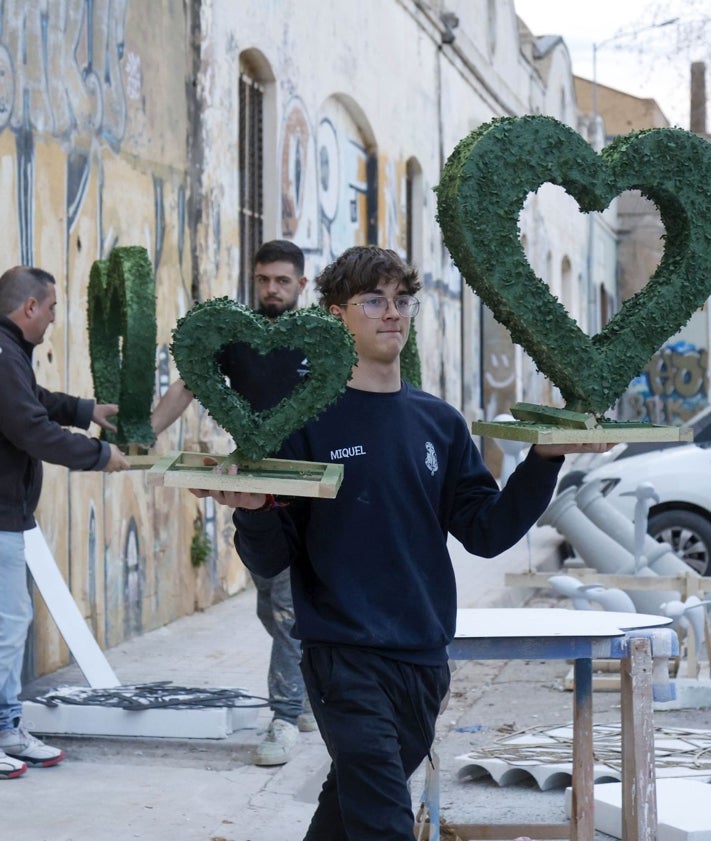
x,y
688,534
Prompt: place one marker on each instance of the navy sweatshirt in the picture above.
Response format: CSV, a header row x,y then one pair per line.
x,y
371,567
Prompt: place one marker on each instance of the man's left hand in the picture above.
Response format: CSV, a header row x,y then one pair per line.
x,y
102,413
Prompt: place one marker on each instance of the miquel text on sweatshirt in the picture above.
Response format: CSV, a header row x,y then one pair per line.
x,y
348,452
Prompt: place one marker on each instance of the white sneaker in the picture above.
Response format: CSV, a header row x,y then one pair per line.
x,y
20,744
306,722
10,768
278,744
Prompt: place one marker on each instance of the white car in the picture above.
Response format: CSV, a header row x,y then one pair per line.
x,y
681,477
579,465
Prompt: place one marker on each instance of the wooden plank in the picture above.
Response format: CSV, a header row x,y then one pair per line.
x,y
606,433
67,616
331,481
157,470
606,675
692,662
275,476
549,414
490,832
686,582
639,799
609,682
141,461
582,814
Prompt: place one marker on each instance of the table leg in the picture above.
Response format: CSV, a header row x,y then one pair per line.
x,y
639,793
582,817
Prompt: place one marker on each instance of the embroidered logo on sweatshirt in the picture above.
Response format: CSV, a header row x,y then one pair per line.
x,y
348,452
431,458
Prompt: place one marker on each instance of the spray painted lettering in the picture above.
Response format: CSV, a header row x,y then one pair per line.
x,y
672,388
60,69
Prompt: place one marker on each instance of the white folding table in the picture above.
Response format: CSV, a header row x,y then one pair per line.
x,y
643,645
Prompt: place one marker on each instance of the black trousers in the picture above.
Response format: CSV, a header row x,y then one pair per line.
x,y
377,717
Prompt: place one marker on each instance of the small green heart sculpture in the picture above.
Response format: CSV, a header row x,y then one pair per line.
x,y
484,185
208,327
122,340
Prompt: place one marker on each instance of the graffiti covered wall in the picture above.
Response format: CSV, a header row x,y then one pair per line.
x,y
324,179
672,388
93,155
106,140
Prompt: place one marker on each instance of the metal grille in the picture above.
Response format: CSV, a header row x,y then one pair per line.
x,y
251,195
409,212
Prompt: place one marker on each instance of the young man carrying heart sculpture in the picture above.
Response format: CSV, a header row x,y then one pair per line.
x,y
265,379
373,584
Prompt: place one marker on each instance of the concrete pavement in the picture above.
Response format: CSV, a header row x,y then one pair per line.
x,y
114,789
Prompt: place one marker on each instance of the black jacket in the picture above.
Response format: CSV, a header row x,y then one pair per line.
x,y
31,421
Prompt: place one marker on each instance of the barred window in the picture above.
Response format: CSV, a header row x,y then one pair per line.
x,y
414,208
251,181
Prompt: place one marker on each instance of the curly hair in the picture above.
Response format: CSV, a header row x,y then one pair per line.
x,y
360,269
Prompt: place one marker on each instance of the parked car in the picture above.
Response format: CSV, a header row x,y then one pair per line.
x,y
681,477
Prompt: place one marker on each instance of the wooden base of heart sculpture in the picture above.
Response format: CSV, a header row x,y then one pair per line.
x,y
549,425
606,433
270,475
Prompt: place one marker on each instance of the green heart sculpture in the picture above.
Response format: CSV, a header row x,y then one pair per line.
x,y
484,185
199,337
122,340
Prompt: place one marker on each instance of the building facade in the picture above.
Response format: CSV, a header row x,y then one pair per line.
x,y
200,128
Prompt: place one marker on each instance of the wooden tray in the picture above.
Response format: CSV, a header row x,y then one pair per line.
x,y
270,475
550,425
612,432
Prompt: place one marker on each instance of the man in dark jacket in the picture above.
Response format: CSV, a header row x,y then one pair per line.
x,y
31,431
265,380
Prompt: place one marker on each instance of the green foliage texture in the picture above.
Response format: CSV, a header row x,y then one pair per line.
x,y
484,185
122,340
208,327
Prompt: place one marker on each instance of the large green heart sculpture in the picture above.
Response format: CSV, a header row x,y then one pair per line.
x,y
484,185
208,327
122,340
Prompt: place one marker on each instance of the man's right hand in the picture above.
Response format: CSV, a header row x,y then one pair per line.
x,y
117,461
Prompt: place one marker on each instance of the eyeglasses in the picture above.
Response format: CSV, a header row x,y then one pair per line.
x,y
407,306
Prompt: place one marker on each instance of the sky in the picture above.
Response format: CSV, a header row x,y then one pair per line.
x,y
634,53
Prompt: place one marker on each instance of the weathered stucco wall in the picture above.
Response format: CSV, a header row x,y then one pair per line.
x,y
120,125
93,154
